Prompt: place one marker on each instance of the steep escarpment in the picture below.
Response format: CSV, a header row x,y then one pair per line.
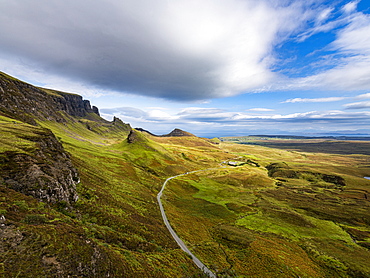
x,y
77,199
27,103
39,167
32,159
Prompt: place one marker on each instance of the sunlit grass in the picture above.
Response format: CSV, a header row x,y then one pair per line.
x,y
14,135
271,223
236,218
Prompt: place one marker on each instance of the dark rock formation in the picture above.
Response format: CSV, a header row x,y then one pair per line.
x,y
25,102
95,110
117,121
135,136
47,173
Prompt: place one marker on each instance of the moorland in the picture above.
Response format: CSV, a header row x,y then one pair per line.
x,y
78,198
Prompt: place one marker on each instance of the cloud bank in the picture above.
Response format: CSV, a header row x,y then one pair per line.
x,y
327,99
347,66
179,50
202,121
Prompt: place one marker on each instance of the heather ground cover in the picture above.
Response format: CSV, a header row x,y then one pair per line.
x,y
272,213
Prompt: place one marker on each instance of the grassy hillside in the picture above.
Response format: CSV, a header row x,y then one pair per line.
x,y
115,226
254,211
243,221
308,218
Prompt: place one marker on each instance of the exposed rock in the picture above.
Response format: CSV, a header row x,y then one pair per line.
x,y
2,220
10,238
135,136
26,102
47,174
117,121
95,110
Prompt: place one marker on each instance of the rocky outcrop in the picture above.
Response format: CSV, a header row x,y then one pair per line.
x,y
72,104
25,102
46,173
135,136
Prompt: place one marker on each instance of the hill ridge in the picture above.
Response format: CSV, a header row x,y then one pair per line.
x,y
23,101
179,133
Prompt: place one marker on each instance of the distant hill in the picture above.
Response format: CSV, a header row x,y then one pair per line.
x,y
179,133
174,133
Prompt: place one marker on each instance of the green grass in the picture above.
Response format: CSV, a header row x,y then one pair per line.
x,y
294,226
14,135
222,205
117,211
236,219
211,190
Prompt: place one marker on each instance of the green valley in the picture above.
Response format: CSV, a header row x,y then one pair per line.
x,y
78,198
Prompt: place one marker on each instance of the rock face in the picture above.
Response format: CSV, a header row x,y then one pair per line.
x,y
135,137
25,102
47,174
44,171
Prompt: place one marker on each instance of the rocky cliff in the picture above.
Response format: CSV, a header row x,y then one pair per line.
x,y
44,171
25,102
39,184
40,167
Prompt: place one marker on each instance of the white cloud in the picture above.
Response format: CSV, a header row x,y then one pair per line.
x,y
351,62
216,121
347,67
355,38
202,115
350,7
358,105
327,99
160,115
182,50
199,110
363,96
156,108
323,16
260,109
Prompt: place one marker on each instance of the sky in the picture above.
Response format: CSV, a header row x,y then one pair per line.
x,y
210,67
